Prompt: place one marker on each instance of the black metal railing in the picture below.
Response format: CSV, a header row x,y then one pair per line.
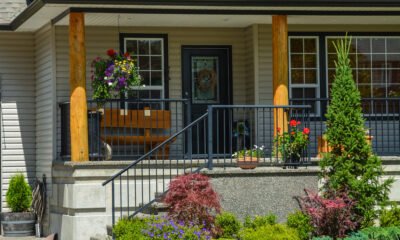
x,y
236,129
382,122
125,129
135,187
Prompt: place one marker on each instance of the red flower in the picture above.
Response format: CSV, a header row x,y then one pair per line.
x,y
278,129
293,123
127,55
306,131
111,52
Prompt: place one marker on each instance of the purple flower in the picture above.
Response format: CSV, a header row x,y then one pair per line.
x,y
121,81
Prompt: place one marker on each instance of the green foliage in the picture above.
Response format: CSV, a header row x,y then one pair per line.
x,y
379,233
229,224
351,163
323,238
300,222
269,232
357,236
127,229
390,217
19,194
259,221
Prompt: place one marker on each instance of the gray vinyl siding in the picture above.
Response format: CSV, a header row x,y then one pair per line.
x,y
44,101
97,43
265,64
45,105
18,119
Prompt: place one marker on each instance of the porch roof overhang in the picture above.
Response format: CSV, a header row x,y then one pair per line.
x,y
221,13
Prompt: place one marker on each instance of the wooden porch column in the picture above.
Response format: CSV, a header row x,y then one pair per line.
x,y
280,69
77,70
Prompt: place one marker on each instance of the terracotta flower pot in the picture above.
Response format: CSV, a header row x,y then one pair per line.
x,y
247,162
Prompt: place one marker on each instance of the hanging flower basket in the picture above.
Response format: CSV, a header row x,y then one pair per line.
x,y
113,76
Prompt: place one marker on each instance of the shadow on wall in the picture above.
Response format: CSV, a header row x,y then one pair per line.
x,y
18,140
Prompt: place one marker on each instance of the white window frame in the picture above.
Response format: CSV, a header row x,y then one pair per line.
x,y
162,86
317,85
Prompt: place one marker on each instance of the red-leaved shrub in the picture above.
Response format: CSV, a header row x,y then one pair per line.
x,y
332,215
192,200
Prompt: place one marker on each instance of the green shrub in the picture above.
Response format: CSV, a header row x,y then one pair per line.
x,y
357,236
127,229
351,163
300,222
380,233
259,221
19,194
322,238
269,232
390,217
229,224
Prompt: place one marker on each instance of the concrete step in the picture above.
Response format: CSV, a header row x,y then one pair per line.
x,y
101,237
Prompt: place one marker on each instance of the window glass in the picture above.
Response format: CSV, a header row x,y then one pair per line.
x,y
304,69
376,67
149,54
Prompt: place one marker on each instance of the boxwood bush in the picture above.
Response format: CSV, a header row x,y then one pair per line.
x,y
270,232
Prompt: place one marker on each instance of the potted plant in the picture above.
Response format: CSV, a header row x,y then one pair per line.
x,y
291,144
248,159
113,76
20,221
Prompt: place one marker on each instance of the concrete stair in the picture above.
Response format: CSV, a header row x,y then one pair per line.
x,y
157,208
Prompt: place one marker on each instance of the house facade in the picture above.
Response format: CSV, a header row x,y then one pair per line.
x,y
265,53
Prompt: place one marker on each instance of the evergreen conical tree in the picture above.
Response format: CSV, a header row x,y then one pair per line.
x,y
351,165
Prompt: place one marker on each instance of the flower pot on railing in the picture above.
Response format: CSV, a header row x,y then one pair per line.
x,y
247,162
249,159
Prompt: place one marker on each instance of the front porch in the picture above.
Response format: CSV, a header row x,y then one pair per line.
x,y
135,146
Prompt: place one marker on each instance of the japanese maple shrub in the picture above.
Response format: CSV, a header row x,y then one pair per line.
x,y
351,163
192,200
330,215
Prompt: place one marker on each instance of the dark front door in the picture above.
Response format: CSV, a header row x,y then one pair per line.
x,y
206,79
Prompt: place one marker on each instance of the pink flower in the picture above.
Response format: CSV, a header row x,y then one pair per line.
x,y
306,131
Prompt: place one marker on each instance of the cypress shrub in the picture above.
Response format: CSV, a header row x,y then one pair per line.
x,y
351,165
19,194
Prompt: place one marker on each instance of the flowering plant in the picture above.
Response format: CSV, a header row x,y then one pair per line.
x,y
114,75
292,143
167,229
256,152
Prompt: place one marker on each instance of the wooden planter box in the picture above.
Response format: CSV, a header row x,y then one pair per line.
x,y
323,146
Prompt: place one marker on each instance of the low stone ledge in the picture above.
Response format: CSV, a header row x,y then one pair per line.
x,y
262,171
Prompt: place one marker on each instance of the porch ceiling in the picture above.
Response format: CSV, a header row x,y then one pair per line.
x,y
201,20
200,16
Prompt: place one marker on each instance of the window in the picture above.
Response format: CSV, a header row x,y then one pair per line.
x,y
375,62
304,70
376,69
149,53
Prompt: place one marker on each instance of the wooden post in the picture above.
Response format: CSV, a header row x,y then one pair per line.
x,y
78,107
280,69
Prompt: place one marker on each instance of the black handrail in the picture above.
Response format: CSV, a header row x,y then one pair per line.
x,y
151,152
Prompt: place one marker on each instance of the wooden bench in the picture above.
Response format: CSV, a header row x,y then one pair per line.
x,y
137,127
